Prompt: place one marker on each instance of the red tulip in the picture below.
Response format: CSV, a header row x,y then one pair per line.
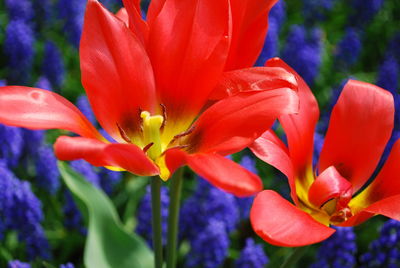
x,y
360,126
170,90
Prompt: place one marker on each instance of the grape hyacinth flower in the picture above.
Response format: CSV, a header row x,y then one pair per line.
x,y
47,174
18,264
316,10
19,10
388,75
252,256
84,106
364,11
11,144
67,265
338,250
108,179
303,51
144,215
278,14
21,210
53,64
348,49
72,12
207,203
33,139
86,170
244,203
43,83
18,47
384,251
394,46
210,247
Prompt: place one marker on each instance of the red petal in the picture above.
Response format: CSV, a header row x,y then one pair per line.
x,y
257,78
328,185
233,123
126,156
273,151
41,109
155,7
388,207
250,25
300,127
360,126
218,170
188,46
225,174
122,14
116,71
136,22
386,184
280,223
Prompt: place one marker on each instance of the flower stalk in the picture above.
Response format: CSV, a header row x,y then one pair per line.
x,y
156,221
173,218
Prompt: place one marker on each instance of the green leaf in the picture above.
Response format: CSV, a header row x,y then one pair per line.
x,y
108,244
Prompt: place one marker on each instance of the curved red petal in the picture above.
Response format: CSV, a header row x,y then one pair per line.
x,y
36,108
233,123
154,9
300,127
188,45
125,156
328,185
122,14
256,78
116,71
225,174
386,183
388,207
270,149
360,126
249,28
280,223
136,22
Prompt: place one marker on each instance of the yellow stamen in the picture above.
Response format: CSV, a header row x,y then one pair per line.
x,y
151,133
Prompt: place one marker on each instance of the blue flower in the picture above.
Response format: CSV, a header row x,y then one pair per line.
x,y
388,75
43,83
338,250
18,264
207,203
210,247
303,52
348,49
53,64
67,265
108,179
18,46
271,44
33,139
315,10
244,203
72,12
86,170
83,105
19,10
21,210
394,46
364,11
252,256
11,144
384,251
47,174
144,227
278,13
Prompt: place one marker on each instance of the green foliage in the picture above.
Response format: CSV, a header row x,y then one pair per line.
x,y
108,244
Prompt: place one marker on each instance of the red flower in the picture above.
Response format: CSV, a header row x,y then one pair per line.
x,y
169,90
360,126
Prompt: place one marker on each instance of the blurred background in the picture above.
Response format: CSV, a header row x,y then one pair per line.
x,y
325,41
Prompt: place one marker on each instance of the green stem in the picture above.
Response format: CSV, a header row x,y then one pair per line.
x,y
296,254
156,221
173,218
